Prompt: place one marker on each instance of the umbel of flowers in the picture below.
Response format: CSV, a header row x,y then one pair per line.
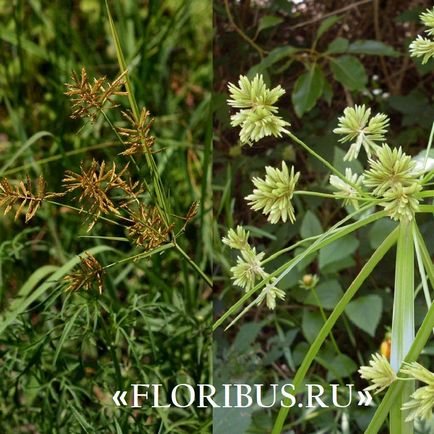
x,y
393,181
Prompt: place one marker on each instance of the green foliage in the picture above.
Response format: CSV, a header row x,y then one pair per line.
x,y
64,354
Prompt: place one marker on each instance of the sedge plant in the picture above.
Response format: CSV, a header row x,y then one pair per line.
x,y
393,186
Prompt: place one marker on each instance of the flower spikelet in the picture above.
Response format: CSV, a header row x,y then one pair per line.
x,y
357,126
148,229
257,115
87,275
379,373
273,194
422,47
237,239
89,97
427,19
422,400
138,136
248,268
345,189
270,293
22,196
390,168
401,203
95,184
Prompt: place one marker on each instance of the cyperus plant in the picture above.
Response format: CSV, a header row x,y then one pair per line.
x,y
393,186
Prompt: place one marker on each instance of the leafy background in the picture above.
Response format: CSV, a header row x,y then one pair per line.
x,y
57,369
326,55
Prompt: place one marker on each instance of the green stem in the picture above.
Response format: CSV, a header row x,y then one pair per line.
x,y
325,330
324,162
402,321
328,237
418,345
194,265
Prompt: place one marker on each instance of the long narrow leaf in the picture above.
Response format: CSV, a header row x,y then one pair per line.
x,y
337,312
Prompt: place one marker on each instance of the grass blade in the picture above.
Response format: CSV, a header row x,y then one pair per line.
x,y
337,312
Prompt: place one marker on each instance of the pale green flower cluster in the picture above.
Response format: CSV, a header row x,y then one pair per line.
x,y
392,177
358,126
379,373
257,115
248,268
424,47
273,194
422,400
345,189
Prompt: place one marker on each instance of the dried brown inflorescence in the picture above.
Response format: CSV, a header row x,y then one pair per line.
x,y
95,184
87,275
89,98
138,137
148,230
22,196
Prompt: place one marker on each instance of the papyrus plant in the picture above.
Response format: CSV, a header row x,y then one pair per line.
x,y
393,186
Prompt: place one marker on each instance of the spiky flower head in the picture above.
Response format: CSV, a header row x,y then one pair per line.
x,y
379,373
273,194
248,268
237,239
427,19
422,402
422,47
252,93
401,203
390,168
257,115
345,189
356,125
270,293
258,123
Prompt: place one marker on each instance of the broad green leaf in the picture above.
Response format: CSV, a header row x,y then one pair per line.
x,y
246,336
341,367
372,47
310,225
365,312
329,294
308,88
276,55
327,93
349,72
326,25
231,420
268,21
338,45
379,231
338,251
311,324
